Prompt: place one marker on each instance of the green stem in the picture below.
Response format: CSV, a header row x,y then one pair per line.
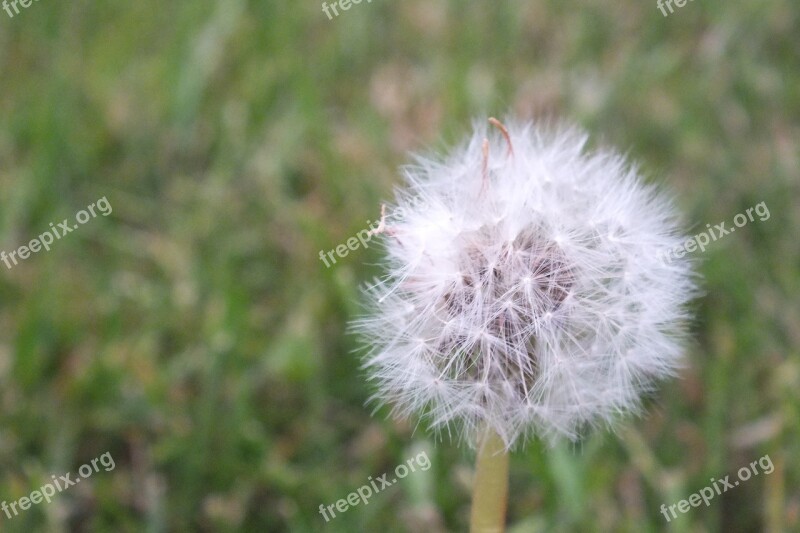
x,y
490,489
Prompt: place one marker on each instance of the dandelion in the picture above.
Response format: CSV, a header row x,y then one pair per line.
x,y
524,295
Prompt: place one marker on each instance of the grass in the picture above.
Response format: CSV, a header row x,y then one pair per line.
x,y
196,336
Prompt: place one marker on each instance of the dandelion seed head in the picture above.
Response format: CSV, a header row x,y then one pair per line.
x,y
525,290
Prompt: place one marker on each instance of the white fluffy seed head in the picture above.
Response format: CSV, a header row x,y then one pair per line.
x,y
525,290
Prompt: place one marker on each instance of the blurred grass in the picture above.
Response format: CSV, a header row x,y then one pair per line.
x,y
196,335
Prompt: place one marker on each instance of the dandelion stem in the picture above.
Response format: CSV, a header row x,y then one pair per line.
x,y
490,488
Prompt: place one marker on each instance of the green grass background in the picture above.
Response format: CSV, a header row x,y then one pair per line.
x,y
195,334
